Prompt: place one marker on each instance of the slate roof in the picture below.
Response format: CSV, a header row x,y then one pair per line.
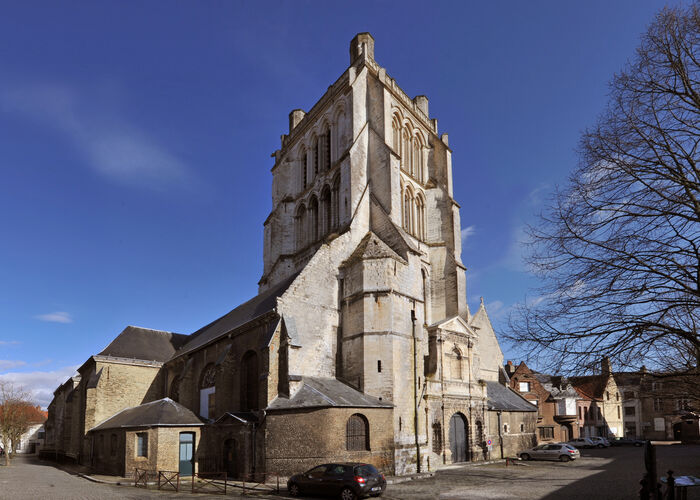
x,y
317,392
246,312
143,343
504,398
161,413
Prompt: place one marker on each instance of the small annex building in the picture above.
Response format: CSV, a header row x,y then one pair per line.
x,y
159,435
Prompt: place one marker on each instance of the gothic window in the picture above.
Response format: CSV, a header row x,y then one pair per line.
x,y
313,219
207,390
416,159
317,156
405,151
335,200
396,134
357,433
408,210
327,150
420,217
304,169
299,221
456,368
175,389
249,381
437,437
326,210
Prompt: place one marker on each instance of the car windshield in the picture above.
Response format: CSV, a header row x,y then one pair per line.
x,y
366,470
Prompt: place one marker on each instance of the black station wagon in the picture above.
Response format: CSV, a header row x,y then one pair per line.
x,y
347,481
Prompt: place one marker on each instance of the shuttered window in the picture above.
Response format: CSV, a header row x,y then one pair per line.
x,y
357,433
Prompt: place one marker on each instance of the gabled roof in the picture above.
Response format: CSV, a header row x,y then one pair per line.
x,y
161,413
317,392
590,386
135,342
454,324
246,312
501,397
372,247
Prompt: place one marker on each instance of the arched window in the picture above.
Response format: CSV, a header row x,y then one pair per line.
x,y
420,217
416,159
304,169
335,200
299,223
317,155
357,433
396,135
327,150
408,210
313,219
249,381
437,437
456,369
326,210
426,296
174,393
405,151
207,391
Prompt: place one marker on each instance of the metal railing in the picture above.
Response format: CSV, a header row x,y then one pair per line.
x,y
141,477
168,479
209,482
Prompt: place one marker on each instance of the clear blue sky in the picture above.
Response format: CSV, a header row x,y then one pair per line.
x,y
135,142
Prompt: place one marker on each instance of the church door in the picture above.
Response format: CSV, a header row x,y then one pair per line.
x,y
230,458
458,438
186,453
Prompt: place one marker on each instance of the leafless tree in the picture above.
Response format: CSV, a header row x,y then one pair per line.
x,y
16,412
618,248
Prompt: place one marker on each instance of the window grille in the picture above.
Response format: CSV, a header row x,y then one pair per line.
x,y
357,435
437,438
142,444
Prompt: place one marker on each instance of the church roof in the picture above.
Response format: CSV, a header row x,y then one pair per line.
x,y
143,343
161,413
317,392
504,398
246,312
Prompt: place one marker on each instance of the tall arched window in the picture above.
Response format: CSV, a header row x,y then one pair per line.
x,y
299,222
327,150
207,391
405,151
416,159
357,433
317,155
426,296
313,219
304,169
456,368
326,210
396,134
249,381
420,217
335,200
408,210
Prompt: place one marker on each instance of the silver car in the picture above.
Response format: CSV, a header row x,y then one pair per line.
x,y
599,441
554,451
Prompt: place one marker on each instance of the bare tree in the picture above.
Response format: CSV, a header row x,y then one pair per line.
x,y
16,413
618,249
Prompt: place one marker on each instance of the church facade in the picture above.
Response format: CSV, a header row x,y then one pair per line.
x,y
360,345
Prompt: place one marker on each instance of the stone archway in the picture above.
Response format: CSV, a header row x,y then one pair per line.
x,y
459,438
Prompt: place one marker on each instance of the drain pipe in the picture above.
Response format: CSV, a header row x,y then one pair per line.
x,y
415,389
500,430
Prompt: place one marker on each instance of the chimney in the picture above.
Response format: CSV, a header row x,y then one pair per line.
x,y
605,366
361,45
509,368
422,104
295,117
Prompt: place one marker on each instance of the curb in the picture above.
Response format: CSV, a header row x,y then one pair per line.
x,y
102,481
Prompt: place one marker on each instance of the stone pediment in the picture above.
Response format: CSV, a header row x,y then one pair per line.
x,y
373,247
455,325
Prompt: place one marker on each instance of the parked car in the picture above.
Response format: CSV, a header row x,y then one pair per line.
x,y
619,441
582,443
553,451
599,441
349,481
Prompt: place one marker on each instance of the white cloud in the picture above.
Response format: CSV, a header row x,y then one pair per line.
x,y
8,364
40,385
9,342
112,147
56,317
467,232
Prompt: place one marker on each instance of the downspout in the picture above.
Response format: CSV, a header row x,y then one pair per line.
x,y
415,388
500,431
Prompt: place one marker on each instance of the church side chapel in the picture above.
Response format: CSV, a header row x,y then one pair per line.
x,y
360,345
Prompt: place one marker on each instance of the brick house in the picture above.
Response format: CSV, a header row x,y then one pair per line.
x,y
600,404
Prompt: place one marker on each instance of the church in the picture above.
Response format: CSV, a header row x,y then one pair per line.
x,y
359,346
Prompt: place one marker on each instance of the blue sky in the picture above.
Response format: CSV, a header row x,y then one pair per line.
x,y
135,142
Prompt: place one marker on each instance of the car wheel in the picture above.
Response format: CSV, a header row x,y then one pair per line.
x,y
565,458
347,494
525,456
293,489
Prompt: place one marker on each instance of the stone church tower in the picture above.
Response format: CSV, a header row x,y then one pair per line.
x,y
359,346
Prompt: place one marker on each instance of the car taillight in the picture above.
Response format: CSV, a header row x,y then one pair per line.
x,y
383,477
572,451
360,479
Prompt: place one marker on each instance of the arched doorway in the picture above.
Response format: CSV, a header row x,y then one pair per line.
x,y
230,458
459,438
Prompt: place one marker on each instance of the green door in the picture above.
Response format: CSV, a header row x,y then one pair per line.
x,y
186,453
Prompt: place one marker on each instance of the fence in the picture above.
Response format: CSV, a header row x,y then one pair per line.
x,y
209,482
141,477
168,479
